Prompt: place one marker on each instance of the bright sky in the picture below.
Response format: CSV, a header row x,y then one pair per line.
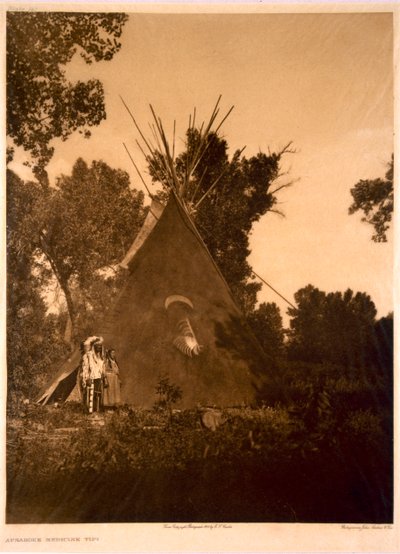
x,y
323,81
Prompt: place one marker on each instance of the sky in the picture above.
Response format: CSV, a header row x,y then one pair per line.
x,y
323,81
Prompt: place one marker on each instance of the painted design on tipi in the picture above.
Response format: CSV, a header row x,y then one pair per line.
x,y
186,342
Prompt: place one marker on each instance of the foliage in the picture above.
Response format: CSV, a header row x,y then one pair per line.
x,y
375,197
34,343
383,345
266,323
92,218
268,464
236,192
23,200
83,225
168,393
140,439
41,103
314,392
332,327
34,339
365,427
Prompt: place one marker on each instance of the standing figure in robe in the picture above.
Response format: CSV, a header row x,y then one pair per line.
x,y
112,394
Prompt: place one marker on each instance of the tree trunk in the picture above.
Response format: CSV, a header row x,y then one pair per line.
x,y
70,307
63,282
68,331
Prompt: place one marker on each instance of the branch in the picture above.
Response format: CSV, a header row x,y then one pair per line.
x,y
277,212
287,150
46,251
283,174
280,188
63,282
286,185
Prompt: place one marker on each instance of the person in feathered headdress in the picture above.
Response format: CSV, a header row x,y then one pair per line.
x,y
93,373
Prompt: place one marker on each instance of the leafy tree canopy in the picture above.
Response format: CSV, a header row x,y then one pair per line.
x,y
383,349
333,327
375,198
92,219
33,337
266,323
41,103
84,224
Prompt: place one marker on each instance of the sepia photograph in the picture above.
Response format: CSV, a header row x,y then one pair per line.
x,y
199,267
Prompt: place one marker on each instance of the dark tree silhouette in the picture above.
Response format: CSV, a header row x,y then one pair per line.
x,y
375,198
266,323
332,327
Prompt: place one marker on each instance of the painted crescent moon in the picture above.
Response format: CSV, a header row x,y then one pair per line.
x,y
177,298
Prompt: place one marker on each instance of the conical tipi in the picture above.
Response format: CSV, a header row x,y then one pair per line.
x,y
176,317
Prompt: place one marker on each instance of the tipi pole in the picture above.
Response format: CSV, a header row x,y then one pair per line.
x,y
137,170
272,288
198,186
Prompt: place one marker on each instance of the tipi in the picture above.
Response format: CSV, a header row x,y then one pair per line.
x,y
175,317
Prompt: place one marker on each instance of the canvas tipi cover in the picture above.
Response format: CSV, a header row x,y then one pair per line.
x,y
176,317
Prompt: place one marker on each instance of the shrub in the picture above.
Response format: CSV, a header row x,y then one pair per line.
x,y
169,394
363,427
262,463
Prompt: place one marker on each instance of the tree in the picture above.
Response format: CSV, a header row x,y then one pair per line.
x,y
383,349
335,327
82,226
234,195
33,337
375,198
266,323
306,342
92,219
41,103
350,320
